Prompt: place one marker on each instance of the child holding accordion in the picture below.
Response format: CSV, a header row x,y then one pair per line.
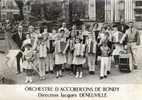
x,y
60,57
50,52
91,52
42,54
28,58
79,57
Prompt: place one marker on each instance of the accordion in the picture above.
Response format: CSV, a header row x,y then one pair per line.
x,y
124,65
71,45
91,47
42,50
84,39
51,48
29,56
80,50
117,37
62,46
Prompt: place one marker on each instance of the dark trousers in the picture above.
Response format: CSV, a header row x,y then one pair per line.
x,y
73,69
116,59
79,68
18,57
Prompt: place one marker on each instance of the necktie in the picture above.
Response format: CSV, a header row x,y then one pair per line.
x,y
131,30
91,47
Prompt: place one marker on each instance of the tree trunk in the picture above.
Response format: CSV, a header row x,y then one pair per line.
x,y
21,14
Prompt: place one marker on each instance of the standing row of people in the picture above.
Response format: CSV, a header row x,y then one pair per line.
x,y
58,50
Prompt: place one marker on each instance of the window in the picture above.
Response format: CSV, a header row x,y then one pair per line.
x,y
138,18
138,3
138,11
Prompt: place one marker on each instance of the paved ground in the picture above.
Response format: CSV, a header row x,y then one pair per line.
x,y
115,77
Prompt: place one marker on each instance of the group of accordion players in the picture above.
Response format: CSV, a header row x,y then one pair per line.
x,y
74,50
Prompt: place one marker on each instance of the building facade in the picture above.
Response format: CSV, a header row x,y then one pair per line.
x,y
95,10
114,10
108,10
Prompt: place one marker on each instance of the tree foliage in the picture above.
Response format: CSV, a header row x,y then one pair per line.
x,y
50,11
20,5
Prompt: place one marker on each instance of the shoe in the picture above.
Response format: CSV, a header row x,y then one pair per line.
x,y
105,76
51,72
42,78
57,76
108,72
27,81
30,81
101,78
76,76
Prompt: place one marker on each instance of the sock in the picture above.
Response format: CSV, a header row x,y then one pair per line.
x,y
60,72
57,74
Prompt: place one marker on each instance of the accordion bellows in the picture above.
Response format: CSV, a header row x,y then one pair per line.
x,y
28,54
117,37
79,49
91,47
50,47
42,50
60,46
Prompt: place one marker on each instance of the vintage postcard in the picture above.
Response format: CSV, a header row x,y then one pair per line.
x,y
70,49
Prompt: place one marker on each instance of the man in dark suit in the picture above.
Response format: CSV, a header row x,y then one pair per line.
x,y
122,27
18,38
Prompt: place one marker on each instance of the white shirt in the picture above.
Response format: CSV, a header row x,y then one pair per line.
x,y
20,34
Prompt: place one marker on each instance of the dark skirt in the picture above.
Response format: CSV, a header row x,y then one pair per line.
x,y
58,67
29,72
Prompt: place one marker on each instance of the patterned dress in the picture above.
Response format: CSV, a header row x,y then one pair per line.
x,y
28,56
60,58
79,51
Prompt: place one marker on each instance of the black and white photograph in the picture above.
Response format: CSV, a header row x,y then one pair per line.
x,y
71,48
47,42
70,41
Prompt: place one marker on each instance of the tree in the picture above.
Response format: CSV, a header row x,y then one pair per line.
x,y
20,4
